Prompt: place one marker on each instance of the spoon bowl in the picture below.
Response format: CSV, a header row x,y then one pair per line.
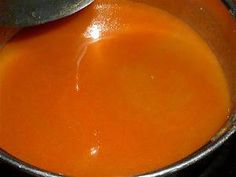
x,y
15,13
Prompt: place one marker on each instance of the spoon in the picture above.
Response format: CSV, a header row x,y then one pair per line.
x,y
22,13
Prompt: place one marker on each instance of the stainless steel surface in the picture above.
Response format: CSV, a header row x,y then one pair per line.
x,y
33,12
231,5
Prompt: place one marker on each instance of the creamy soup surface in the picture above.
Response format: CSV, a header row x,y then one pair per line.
x,y
118,89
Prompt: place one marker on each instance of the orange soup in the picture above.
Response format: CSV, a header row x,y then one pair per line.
x,y
118,89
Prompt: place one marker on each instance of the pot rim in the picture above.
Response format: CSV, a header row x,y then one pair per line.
x,y
223,135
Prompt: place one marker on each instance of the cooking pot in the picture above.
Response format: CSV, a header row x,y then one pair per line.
x,y
215,21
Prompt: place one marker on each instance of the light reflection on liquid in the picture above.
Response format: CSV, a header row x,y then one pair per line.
x,y
81,54
103,25
94,150
93,32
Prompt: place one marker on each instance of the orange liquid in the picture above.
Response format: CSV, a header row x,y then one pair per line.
x,y
117,90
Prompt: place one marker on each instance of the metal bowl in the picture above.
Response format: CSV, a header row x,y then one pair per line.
x,y
215,22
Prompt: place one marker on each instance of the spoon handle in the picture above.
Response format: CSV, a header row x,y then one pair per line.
x,y
33,12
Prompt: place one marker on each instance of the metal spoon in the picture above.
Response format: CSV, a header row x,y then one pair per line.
x,y
21,13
